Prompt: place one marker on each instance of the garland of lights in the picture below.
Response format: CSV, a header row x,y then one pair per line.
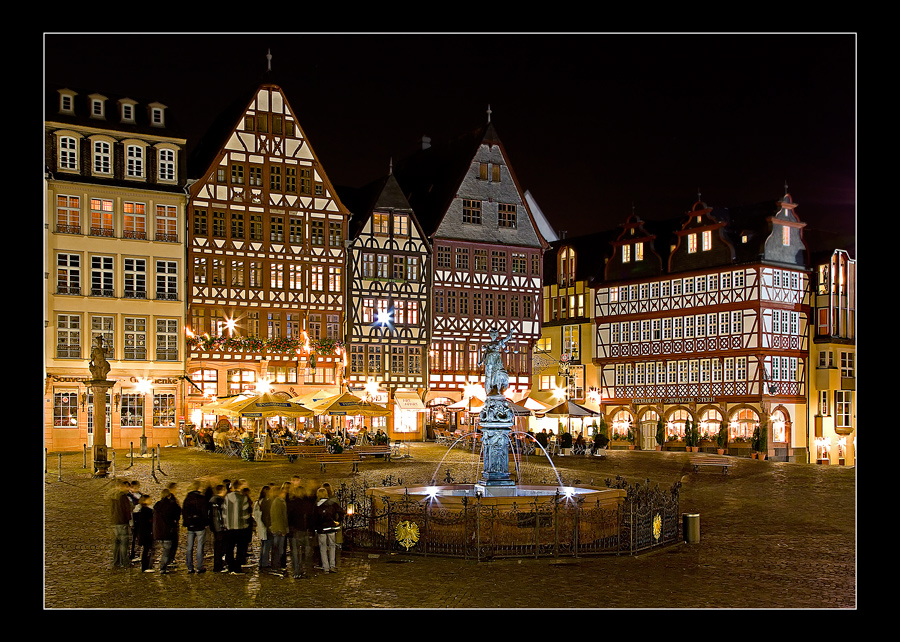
x,y
323,347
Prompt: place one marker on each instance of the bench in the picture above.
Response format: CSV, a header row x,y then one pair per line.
x,y
293,451
384,449
348,456
711,460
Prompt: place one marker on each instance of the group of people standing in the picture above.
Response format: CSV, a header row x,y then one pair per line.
x,y
290,518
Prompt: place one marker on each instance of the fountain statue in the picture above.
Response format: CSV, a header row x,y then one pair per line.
x,y
99,367
496,419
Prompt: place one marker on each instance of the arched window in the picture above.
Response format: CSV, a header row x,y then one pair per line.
x,y
566,267
621,422
675,424
743,424
710,422
779,426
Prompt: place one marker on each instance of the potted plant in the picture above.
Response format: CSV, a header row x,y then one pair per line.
x,y
629,437
756,445
691,436
762,445
721,440
660,434
600,438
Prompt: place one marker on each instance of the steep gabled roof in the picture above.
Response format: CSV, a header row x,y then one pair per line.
x,y
430,177
208,146
381,194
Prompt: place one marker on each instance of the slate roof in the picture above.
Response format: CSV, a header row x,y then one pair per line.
x,y
382,193
82,109
430,177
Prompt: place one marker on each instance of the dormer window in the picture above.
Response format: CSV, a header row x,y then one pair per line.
x,y
126,110
157,115
67,102
785,235
98,106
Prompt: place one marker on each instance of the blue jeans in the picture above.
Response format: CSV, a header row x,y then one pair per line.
x,y
265,545
299,552
195,539
326,550
168,553
277,550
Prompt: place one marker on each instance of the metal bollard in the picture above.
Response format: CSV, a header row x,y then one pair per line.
x,y
690,526
59,477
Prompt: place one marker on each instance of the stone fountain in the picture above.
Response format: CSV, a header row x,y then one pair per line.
x,y
496,420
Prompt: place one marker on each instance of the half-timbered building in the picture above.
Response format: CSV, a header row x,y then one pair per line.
x,y
388,302
487,259
707,322
265,256
114,252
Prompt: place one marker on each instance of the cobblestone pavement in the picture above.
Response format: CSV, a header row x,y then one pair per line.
x,y
772,536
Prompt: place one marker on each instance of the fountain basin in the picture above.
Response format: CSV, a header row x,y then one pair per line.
x,y
449,495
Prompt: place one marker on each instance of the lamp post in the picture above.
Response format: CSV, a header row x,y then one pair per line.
x,y
143,387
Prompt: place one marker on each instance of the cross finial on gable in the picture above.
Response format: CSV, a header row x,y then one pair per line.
x,y
391,166
269,60
489,112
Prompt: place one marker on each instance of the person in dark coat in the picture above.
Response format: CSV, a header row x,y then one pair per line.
x,y
217,526
300,506
143,527
195,515
120,518
166,515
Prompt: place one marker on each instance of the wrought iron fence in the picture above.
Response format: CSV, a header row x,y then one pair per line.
x,y
647,518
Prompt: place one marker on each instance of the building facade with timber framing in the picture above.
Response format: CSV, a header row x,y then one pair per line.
x,y
706,319
266,257
388,304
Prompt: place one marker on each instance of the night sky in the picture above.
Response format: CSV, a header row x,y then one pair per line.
x,y
594,124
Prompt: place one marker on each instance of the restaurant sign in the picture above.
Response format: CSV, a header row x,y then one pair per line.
x,y
673,400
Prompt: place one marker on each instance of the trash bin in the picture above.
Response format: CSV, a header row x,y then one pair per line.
x,y
690,527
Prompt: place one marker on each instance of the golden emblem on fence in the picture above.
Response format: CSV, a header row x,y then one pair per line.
x,y
657,526
407,534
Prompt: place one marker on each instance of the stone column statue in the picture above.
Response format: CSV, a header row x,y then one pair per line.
x,y
99,367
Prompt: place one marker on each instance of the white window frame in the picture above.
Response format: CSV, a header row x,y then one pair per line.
x,y
166,166
67,158
134,161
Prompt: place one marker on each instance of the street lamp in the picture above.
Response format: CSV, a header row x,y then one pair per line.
x,y
144,386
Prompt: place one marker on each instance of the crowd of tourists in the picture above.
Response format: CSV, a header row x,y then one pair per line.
x,y
281,523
